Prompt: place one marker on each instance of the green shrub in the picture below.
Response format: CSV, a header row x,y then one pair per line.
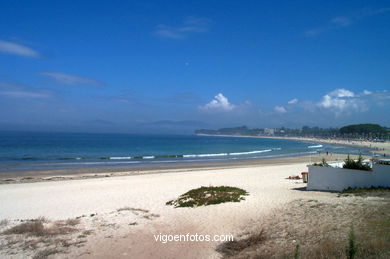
x,y
358,165
352,246
297,254
322,163
204,196
382,162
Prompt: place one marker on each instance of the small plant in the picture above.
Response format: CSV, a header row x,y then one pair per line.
x,y
297,254
233,247
322,163
382,162
352,246
38,227
366,190
358,165
204,196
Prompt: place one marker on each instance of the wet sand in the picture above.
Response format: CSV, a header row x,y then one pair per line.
x,y
82,173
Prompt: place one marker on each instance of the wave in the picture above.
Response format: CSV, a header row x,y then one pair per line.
x,y
250,152
206,155
160,157
189,155
315,146
119,157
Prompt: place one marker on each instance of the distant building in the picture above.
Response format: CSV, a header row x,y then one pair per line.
x,y
268,131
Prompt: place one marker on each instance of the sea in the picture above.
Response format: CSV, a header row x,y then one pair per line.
x,y
22,151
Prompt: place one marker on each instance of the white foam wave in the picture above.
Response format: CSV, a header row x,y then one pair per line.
x,y
206,155
315,146
250,152
120,157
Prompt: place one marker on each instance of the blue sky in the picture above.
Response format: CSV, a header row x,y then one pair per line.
x,y
174,66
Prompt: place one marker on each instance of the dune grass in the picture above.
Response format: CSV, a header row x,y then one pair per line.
x,y
366,191
353,228
211,195
38,227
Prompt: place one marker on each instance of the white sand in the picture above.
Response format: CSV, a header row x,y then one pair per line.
x,y
268,189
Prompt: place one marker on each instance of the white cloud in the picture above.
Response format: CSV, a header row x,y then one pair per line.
x,y
293,101
17,49
67,79
339,93
20,91
340,100
190,25
220,102
280,109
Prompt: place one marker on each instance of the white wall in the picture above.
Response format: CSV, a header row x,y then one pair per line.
x,y
338,179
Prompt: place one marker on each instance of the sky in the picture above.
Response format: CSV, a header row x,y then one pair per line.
x,y
175,66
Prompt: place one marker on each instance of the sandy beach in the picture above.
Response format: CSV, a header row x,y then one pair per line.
x,y
120,210
121,214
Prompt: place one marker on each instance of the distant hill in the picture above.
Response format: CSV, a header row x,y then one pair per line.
x,y
243,131
364,129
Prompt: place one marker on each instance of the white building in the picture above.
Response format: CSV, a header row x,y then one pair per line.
x,y
268,131
337,179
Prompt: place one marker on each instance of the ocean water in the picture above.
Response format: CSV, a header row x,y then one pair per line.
x,y
32,150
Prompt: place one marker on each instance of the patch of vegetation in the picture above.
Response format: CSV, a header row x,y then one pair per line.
x,y
322,163
204,196
297,254
46,253
352,246
38,227
357,165
132,209
234,247
382,162
366,190
290,233
4,222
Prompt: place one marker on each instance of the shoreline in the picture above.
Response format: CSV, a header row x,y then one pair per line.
x,y
380,147
32,176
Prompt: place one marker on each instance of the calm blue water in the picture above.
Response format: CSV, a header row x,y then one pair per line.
x,y
27,151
